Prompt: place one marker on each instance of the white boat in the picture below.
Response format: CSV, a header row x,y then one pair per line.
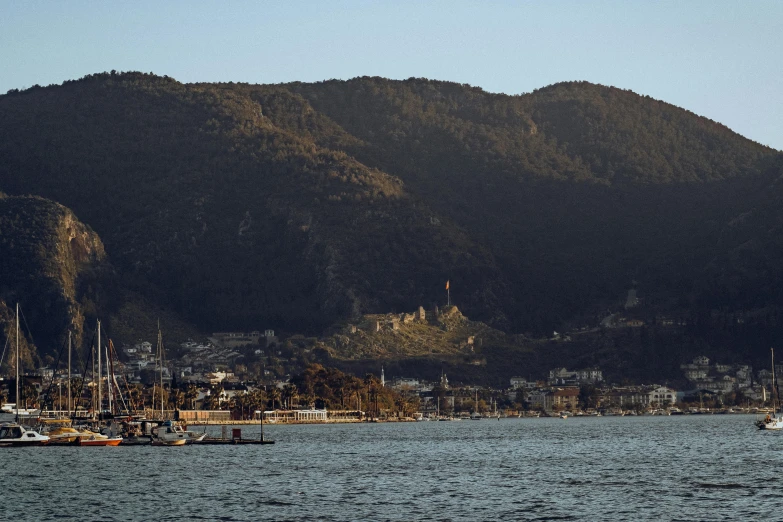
x,y
194,436
10,407
168,433
11,411
772,421
8,412
17,435
564,414
172,434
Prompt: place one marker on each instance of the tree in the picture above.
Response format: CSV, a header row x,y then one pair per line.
x,y
588,396
178,397
290,393
191,394
212,400
275,395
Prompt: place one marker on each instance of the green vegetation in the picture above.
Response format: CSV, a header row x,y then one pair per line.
x,y
330,388
296,206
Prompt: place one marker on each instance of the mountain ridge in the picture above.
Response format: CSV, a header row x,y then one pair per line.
x,y
296,206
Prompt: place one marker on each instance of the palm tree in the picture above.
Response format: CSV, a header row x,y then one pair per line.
x,y
257,400
191,394
291,392
211,401
275,395
238,404
178,397
30,395
136,396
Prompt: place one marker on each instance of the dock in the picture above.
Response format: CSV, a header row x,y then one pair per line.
x,y
217,441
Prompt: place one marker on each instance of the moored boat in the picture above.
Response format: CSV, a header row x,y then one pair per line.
x,y
178,442
97,439
63,435
17,435
772,421
169,434
194,436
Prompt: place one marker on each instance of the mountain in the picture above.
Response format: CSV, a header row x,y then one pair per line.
x,y
239,224
55,267
295,206
577,189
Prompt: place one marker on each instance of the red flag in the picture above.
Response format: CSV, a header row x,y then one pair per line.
x,y
447,285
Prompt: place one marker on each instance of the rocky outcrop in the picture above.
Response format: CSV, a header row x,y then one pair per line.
x,y
49,263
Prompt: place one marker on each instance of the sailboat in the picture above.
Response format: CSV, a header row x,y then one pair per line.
x,y
87,437
15,434
774,421
170,433
11,411
475,415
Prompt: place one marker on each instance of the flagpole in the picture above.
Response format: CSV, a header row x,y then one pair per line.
x,y
448,294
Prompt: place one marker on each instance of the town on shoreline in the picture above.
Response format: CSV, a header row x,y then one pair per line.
x,y
212,383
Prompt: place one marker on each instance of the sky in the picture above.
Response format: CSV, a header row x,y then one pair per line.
x,y
719,59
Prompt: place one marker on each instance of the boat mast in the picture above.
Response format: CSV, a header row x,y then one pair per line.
x,y
17,362
160,358
92,392
69,373
100,373
774,384
109,375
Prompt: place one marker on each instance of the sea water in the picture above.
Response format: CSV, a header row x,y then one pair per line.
x,y
700,467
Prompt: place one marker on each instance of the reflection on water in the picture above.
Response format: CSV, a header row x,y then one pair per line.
x,y
708,467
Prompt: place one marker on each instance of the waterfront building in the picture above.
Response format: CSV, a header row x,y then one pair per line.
x,y
661,396
293,416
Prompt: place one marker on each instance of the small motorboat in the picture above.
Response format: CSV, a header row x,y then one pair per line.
x,y
63,435
17,435
194,436
99,440
137,440
169,434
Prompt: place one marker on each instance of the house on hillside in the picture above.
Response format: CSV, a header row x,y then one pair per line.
x,y
565,398
234,339
554,400
565,376
661,397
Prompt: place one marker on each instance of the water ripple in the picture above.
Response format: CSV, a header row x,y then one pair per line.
x,y
652,468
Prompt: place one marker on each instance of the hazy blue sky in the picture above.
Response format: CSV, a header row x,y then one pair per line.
x,y
722,60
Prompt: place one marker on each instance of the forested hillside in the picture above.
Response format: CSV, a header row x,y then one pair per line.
x,y
293,206
239,223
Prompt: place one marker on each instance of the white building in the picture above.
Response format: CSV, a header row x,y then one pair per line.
x,y
521,382
661,396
